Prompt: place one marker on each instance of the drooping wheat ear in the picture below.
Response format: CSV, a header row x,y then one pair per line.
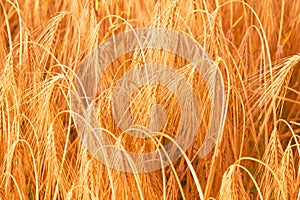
x,y
272,157
232,185
272,104
48,37
171,191
287,173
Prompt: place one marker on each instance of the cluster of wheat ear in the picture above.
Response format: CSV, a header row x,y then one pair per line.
x,y
255,44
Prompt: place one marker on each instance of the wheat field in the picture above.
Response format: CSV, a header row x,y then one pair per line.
x,y
255,45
